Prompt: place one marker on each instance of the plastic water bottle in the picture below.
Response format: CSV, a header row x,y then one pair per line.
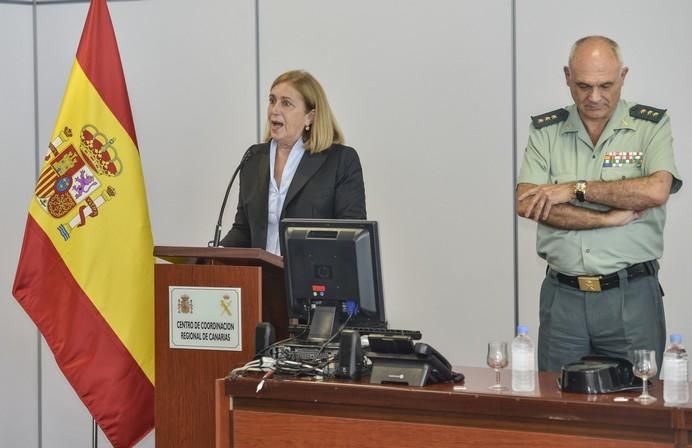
x,y
523,361
676,389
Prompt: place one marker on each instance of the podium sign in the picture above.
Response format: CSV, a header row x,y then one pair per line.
x,y
205,318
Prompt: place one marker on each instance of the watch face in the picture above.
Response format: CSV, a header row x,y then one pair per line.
x,y
579,190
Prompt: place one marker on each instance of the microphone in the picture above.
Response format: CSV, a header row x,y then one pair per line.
x,y
217,232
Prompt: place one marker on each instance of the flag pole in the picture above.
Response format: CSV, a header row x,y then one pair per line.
x,y
94,434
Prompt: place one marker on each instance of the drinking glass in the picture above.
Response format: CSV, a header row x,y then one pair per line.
x,y
644,367
498,360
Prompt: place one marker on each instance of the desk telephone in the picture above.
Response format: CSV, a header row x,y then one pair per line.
x,y
397,360
441,370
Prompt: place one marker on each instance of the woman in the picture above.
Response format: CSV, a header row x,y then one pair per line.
x,y
301,171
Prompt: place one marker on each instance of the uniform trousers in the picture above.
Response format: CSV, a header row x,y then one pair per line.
x,y
615,322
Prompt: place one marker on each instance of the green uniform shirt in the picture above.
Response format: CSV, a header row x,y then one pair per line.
x,y
628,148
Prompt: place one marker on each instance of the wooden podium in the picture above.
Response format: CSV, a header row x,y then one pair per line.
x,y
184,394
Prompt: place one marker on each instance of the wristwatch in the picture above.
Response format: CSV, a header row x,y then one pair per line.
x,y
580,190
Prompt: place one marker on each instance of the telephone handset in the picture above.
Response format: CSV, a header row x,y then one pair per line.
x,y
395,359
440,369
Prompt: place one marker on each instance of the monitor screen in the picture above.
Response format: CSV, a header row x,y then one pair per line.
x,y
333,263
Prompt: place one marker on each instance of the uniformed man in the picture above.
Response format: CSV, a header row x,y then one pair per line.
x,y
596,176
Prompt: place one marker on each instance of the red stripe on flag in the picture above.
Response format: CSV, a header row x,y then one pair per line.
x,y
100,368
47,173
44,186
99,58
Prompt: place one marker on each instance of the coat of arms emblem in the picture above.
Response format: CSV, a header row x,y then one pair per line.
x,y
185,304
74,183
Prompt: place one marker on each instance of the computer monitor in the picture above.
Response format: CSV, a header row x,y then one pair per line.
x,y
332,267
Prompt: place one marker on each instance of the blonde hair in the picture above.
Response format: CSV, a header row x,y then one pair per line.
x,y
324,130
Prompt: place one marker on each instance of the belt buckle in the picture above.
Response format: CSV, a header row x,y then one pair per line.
x,y
589,284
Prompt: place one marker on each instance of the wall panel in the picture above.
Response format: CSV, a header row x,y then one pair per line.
x,y
423,92
66,422
18,336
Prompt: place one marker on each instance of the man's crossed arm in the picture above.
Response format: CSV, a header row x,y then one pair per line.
x,y
627,199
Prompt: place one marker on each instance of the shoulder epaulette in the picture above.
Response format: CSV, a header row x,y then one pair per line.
x,y
548,118
647,113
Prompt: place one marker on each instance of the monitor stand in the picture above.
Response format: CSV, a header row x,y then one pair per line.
x,y
323,324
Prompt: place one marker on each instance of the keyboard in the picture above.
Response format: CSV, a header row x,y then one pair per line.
x,y
413,334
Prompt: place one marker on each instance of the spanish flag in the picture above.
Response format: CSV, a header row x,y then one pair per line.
x,y
86,270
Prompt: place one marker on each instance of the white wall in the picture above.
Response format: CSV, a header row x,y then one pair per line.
x,y
18,337
193,96
423,91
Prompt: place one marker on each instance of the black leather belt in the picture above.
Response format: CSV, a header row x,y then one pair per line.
x,y
596,283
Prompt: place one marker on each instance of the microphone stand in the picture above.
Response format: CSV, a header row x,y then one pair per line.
x,y
217,230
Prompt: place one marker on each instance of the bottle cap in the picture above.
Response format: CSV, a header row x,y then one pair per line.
x,y
523,329
675,338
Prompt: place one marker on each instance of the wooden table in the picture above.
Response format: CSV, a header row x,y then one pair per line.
x,y
306,413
